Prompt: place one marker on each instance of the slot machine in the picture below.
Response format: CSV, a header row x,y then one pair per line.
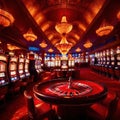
x,y
21,72
13,76
108,57
15,83
64,64
101,58
4,82
103,62
70,61
26,68
21,67
107,62
39,64
117,66
57,61
112,63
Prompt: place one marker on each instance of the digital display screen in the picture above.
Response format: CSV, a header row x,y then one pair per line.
x,y
118,58
118,63
26,70
112,58
20,71
112,63
26,66
13,66
2,66
13,73
33,48
20,66
2,74
21,60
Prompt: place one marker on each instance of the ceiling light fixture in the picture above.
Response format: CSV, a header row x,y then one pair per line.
x,y
88,44
63,46
6,19
50,50
30,36
104,29
12,47
64,27
78,49
43,44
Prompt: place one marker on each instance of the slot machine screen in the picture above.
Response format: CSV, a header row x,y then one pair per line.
x,y
13,73
118,57
20,66
2,66
13,66
118,60
26,66
2,74
108,60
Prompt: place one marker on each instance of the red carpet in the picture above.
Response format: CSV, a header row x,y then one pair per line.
x,y
15,108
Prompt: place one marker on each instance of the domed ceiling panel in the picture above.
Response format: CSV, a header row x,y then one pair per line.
x,y
79,13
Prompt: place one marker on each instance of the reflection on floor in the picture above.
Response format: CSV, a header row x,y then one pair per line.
x,y
15,108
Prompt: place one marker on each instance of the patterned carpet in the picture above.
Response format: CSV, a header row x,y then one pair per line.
x,y
15,108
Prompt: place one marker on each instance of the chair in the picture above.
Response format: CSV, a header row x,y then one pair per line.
x,y
105,109
39,111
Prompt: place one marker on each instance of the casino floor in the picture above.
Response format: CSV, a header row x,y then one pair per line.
x,y
15,107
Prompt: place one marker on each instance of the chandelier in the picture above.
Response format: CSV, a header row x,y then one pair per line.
x,y
118,15
78,49
88,44
50,50
12,47
6,19
63,46
104,29
64,27
30,36
43,44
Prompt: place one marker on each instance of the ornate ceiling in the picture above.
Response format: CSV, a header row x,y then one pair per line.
x,y
42,15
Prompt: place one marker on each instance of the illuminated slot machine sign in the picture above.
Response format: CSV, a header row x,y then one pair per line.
x,y
13,69
118,55
108,57
112,57
3,70
101,58
21,68
27,74
57,61
104,58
